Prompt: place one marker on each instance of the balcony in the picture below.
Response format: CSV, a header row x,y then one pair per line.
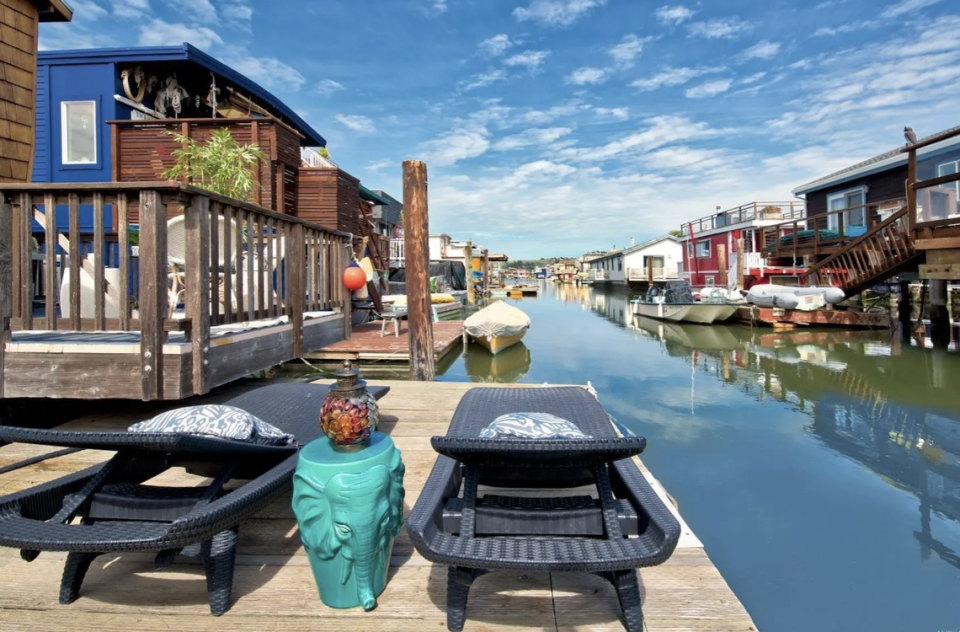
x,y
651,274
754,211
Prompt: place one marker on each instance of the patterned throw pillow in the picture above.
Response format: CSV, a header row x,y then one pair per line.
x,y
532,426
227,422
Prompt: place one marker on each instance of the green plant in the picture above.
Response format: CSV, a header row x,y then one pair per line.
x,y
220,165
323,152
134,235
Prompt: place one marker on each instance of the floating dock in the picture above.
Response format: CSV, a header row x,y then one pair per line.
x,y
790,318
274,589
365,343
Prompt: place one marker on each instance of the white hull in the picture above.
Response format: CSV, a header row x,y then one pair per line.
x,y
703,314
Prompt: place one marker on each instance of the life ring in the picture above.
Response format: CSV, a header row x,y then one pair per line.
x,y
141,84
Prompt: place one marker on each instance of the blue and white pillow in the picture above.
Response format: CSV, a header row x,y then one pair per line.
x,y
216,420
532,426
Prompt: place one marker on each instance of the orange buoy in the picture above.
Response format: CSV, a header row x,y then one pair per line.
x,y
354,278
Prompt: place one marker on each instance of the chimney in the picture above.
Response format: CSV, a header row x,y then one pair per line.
x,y
631,240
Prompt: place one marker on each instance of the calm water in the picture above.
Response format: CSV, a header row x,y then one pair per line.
x,y
820,469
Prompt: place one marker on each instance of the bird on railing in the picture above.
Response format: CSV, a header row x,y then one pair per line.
x,y
910,135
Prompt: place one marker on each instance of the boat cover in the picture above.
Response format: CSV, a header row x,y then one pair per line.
x,y
496,320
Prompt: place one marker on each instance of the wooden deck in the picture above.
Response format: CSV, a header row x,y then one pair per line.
x,y
274,588
365,343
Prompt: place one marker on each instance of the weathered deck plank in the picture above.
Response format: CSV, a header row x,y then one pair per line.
x,y
274,589
366,343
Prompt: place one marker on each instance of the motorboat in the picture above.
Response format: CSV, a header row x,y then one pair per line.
x,y
674,301
788,297
497,326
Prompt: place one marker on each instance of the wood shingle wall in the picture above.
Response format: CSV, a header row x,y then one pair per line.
x,y
18,68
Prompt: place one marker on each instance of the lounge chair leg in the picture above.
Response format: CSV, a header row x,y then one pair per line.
x,y
73,574
219,556
628,593
459,580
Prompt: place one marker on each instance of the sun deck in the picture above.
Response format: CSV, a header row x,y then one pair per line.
x,y
274,588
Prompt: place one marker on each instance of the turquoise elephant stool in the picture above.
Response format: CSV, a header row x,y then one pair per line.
x,y
349,506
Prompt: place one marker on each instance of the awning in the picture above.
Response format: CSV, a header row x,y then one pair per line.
x,y
370,196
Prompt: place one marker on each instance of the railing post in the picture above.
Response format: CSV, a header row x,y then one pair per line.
x,y
6,277
912,192
468,266
416,244
197,298
26,262
295,275
346,305
153,292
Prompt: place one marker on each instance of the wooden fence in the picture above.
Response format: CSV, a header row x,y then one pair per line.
x,y
203,260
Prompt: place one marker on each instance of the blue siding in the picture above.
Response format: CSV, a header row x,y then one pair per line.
x,y
94,82
41,155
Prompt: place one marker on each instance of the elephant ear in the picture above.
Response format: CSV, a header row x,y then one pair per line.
x,y
396,494
312,509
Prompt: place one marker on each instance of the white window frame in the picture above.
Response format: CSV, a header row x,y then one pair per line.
x,y
832,222
956,169
63,133
690,252
709,249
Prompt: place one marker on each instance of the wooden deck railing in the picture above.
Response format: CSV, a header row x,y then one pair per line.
x,y
203,260
819,234
933,202
745,213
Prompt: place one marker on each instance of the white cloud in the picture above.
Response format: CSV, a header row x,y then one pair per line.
x,y
625,53
200,10
621,114
755,77
721,28
531,59
380,165
438,6
764,49
588,75
542,117
357,123
484,79
86,10
672,16
159,33
236,10
131,8
495,46
462,143
660,131
709,89
556,12
537,170
269,72
531,138
904,7
64,36
670,77
850,27
326,87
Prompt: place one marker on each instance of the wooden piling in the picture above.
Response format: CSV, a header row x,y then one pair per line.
x,y
468,264
722,264
939,315
416,243
905,310
486,272
741,255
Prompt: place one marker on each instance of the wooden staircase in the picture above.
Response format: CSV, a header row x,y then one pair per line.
x,y
884,250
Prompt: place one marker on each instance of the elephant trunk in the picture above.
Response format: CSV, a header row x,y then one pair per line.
x,y
365,572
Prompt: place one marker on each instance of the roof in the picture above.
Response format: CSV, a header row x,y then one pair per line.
x,y
187,52
641,246
879,163
371,196
53,10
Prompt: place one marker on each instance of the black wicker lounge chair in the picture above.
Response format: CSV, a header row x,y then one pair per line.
x,y
611,533
107,508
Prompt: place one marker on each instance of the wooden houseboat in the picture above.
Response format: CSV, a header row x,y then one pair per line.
x,y
19,20
709,246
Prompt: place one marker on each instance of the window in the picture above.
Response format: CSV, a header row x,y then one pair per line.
x,y
709,280
703,249
620,265
78,122
852,199
947,169
690,250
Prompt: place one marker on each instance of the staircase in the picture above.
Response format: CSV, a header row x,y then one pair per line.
x,y
884,250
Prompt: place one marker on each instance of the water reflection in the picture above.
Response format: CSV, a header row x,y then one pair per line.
x,y
894,410
508,366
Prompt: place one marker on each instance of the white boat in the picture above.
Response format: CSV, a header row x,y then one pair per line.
x,y
497,326
674,302
787,297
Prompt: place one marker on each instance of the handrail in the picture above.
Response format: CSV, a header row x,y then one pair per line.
x,y
932,140
742,214
220,121
856,242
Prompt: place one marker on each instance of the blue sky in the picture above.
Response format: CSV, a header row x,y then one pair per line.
x,y
561,126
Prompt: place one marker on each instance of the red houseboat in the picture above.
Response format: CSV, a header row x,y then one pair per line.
x,y
710,255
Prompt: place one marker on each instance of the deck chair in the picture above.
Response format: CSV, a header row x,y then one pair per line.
x,y
620,525
177,255
111,507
